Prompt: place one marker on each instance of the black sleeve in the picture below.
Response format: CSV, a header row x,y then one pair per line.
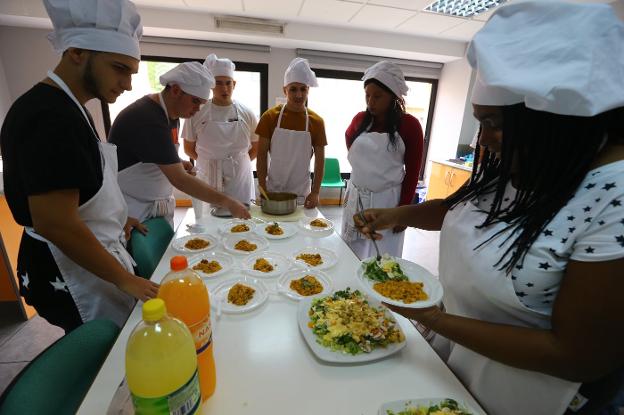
x,y
59,153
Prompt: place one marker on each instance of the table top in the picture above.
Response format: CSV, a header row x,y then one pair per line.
x,y
264,364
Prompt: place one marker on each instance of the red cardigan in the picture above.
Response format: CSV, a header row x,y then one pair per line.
x,y
412,135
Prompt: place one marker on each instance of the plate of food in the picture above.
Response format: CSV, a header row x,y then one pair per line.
x,y
195,243
238,295
316,224
237,227
299,284
317,258
371,333
266,264
211,264
246,244
426,406
400,282
276,230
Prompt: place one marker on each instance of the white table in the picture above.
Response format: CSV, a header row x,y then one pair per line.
x,y
264,365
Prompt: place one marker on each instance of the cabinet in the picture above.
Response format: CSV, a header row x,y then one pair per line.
x,y
445,180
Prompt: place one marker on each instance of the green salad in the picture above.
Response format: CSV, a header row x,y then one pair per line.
x,y
346,323
386,269
446,407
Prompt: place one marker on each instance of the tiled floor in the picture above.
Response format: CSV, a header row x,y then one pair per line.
x,y
20,342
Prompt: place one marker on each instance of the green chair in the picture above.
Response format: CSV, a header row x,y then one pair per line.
x,y
57,380
332,177
147,250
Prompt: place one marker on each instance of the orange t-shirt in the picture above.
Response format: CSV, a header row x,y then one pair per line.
x,y
292,121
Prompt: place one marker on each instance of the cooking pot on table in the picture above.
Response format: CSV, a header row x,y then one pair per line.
x,y
278,203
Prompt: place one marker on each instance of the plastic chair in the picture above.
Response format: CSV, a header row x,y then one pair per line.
x,y
332,177
57,380
147,250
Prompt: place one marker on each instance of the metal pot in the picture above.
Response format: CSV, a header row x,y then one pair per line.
x,y
279,203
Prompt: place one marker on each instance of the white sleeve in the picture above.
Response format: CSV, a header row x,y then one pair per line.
x,y
188,131
251,121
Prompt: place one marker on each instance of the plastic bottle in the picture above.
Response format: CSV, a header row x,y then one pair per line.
x,y
187,299
161,364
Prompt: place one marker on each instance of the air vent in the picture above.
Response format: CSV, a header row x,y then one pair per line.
x,y
462,8
247,24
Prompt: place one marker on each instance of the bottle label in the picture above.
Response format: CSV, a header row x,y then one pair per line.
x,y
202,334
184,401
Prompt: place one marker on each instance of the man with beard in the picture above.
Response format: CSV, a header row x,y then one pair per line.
x,y
146,136
61,180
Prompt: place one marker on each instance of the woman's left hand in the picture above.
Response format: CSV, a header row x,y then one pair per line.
x,y
398,229
426,316
134,223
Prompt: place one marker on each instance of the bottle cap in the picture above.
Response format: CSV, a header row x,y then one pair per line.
x,y
178,263
154,309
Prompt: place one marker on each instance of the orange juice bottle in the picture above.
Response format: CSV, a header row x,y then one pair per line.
x,y
187,299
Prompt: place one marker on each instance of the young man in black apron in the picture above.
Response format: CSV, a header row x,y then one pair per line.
x,y
61,180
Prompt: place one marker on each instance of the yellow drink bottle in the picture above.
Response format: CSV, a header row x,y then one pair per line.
x,y
161,364
187,299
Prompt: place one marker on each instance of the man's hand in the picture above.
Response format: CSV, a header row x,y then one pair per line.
x,y
188,166
139,288
134,223
238,210
311,201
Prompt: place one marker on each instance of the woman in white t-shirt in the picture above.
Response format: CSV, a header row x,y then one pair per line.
x,y
532,248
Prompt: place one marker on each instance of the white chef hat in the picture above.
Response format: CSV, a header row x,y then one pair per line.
x,y
390,75
299,71
192,77
220,67
101,25
557,57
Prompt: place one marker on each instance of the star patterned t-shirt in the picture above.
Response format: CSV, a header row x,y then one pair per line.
x,y
589,228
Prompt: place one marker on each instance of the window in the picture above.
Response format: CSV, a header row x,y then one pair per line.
x,y
340,95
251,87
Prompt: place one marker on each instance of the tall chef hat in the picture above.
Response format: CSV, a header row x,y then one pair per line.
x,y
101,25
299,71
220,66
389,74
192,77
553,56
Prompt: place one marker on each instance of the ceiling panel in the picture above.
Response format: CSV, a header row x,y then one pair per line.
x,y
415,5
331,11
274,9
429,24
232,7
464,31
378,17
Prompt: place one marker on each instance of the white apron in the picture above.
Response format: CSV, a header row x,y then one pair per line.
x,y
147,190
105,215
376,178
289,159
223,157
473,288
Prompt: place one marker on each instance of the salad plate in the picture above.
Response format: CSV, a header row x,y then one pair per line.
x,y
185,243
424,406
389,268
350,353
224,260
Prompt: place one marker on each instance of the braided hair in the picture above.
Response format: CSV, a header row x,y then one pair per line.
x,y
395,113
550,154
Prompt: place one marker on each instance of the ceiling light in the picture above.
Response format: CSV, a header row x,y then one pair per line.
x,y
248,24
462,8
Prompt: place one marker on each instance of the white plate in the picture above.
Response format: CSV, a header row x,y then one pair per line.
x,y
402,405
226,228
178,244
232,239
220,294
329,258
289,230
329,355
415,273
280,264
283,283
305,224
223,259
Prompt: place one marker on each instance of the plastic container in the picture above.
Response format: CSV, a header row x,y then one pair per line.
x,y
161,364
187,299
